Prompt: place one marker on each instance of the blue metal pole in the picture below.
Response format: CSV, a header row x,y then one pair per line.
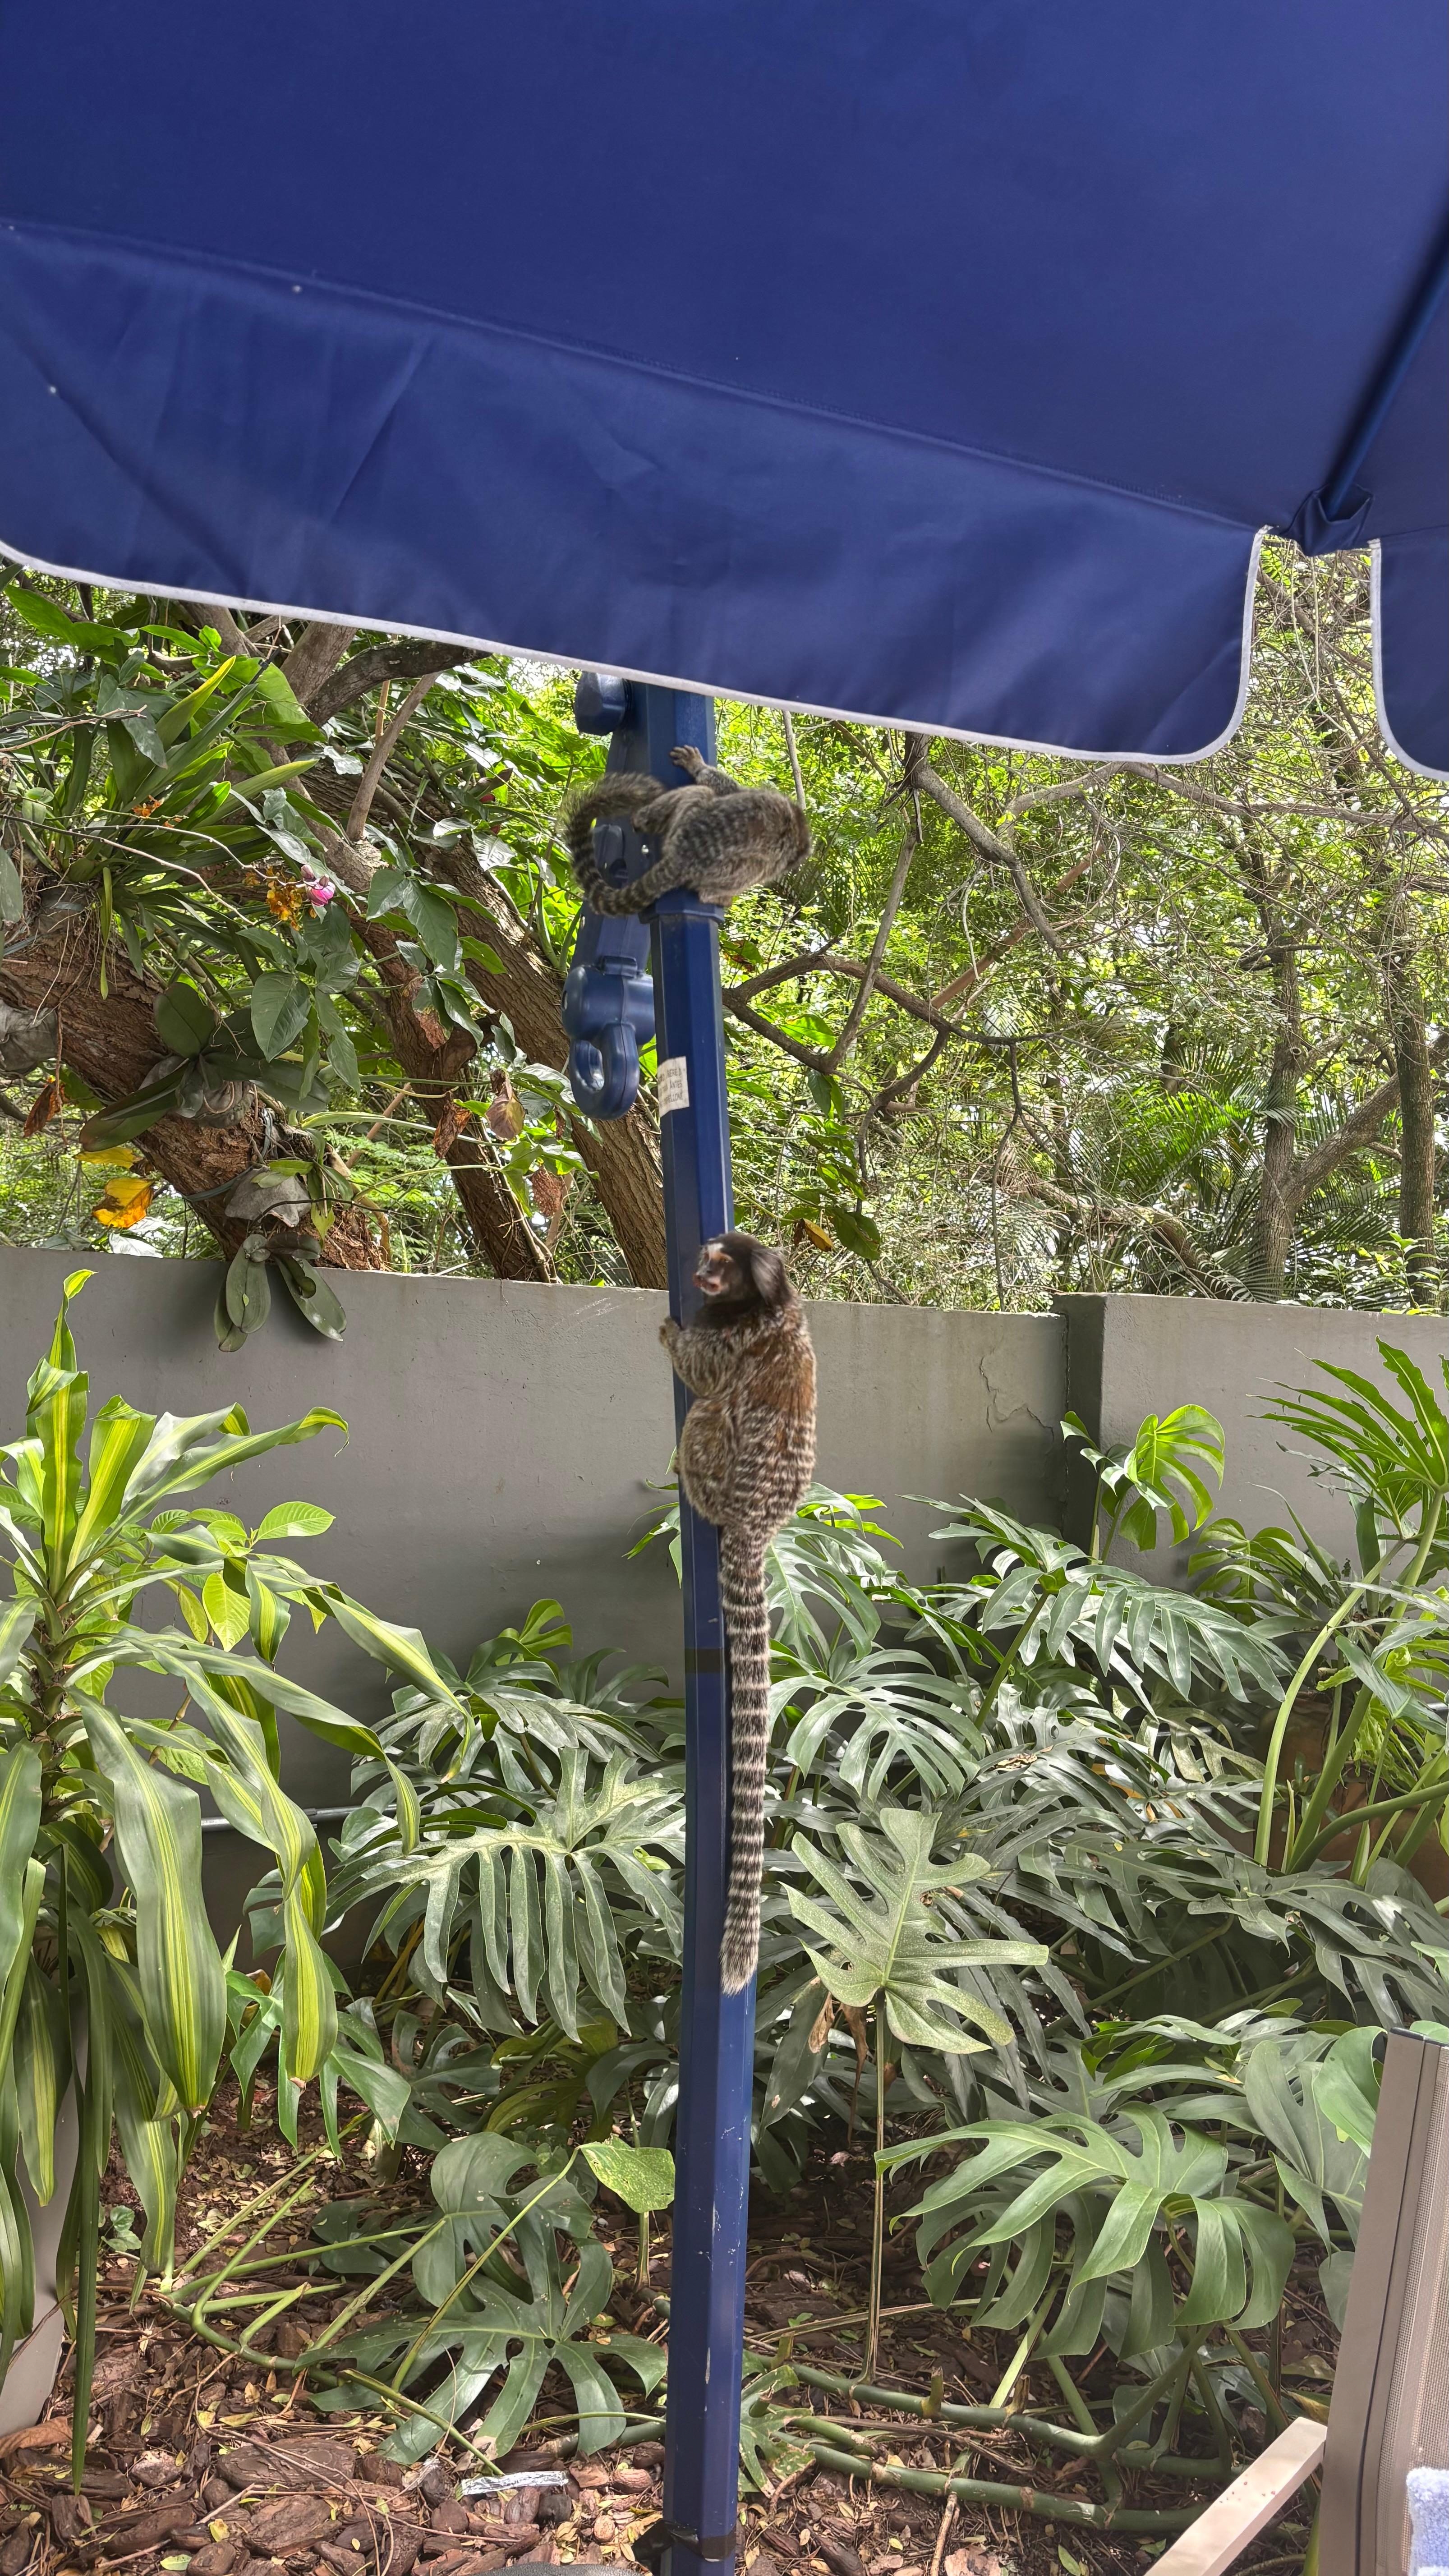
x,y
716,2037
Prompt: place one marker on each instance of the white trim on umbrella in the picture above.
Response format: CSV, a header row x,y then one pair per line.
x,y
1420,768
699,688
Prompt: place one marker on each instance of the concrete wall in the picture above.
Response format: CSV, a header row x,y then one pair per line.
x,y
1130,1356
505,1440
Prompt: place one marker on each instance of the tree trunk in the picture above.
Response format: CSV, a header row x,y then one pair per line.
x,y
496,1222
1278,1197
1278,1200
111,1043
1414,1065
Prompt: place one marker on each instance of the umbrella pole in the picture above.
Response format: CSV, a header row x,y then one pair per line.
x,y
716,2031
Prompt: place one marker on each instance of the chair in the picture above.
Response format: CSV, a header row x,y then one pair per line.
x,y
1390,2408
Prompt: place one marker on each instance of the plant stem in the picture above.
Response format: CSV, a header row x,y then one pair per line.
x,y
1015,2499
476,2266
1017,2363
1277,2412
1209,2395
1328,1778
877,2229
1155,1967
1286,1706
1432,1796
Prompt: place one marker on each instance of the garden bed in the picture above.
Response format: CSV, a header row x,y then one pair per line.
x,y
175,2427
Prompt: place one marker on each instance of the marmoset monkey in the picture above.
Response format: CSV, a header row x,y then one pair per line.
x,y
716,836
746,1458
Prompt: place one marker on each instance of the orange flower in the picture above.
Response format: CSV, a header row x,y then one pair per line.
x,y
285,903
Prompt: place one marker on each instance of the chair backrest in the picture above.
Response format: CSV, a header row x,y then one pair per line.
x,y
1390,2410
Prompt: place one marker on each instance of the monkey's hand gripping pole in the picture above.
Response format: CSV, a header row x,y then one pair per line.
x,y
716,2030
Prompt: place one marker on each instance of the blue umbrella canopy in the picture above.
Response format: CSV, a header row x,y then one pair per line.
x,y
941,366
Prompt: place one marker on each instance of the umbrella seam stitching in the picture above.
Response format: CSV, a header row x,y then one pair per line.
x,y
261,273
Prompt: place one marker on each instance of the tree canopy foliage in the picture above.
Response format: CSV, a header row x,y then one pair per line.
x,y
285,910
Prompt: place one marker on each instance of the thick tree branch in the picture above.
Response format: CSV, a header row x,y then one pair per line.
x,y
826,961
110,1039
313,659
254,641
382,751
404,659
906,1083
1310,1171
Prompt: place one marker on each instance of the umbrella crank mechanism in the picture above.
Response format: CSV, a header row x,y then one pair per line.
x,y
609,1010
608,996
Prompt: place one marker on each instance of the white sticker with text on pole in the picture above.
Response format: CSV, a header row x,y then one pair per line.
x,y
673,1084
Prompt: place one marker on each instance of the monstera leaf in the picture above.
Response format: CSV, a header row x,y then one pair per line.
x,y
539,1898
883,1942
502,2300
1123,2194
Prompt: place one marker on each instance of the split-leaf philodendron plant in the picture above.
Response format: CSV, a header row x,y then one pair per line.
x,y
111,1982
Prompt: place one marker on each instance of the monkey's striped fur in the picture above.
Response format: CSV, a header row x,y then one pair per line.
x,y
716,836
746,1458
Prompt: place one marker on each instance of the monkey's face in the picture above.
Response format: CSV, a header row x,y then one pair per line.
x,y
739,1277
717,1273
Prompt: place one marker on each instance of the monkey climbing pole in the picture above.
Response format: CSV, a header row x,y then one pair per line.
x,y
923,368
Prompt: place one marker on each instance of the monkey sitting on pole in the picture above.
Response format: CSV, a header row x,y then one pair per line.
x,y
715,836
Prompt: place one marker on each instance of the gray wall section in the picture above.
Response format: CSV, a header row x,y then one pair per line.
x,y
504,1439
1131,1356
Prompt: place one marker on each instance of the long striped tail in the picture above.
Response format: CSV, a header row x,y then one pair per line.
x,y
747,1630
619,793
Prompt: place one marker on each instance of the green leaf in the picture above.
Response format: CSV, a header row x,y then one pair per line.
x,y
119,1438
342,1059
183,1989
1346,2087
132,1116
169,1652
403,1650
172,725
55,1417
641,2176
185,1020
279,1008
282,703
294,1520
247,1293
250,1799
12,892
42,2072
184,1451
312,1297
228,1609
888,1940
82,634
17,1618
19,1825
858,1232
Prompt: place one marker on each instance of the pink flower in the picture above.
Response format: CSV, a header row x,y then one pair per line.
x,y
320,892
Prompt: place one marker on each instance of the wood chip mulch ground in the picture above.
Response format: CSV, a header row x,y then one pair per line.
x,y
195,2465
